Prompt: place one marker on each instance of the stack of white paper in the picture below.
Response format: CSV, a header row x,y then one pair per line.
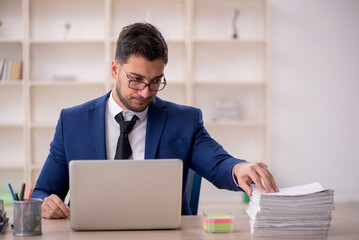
x,y
292,212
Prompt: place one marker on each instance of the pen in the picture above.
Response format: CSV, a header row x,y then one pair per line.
x,y
17,197
28,199
29,196
12,192
22,192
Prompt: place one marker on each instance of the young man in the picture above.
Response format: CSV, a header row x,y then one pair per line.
x,y
160,129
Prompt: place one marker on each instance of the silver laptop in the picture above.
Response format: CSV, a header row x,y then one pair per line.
x,y
125,194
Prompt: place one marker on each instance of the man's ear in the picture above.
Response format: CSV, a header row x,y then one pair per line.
x,y
114,69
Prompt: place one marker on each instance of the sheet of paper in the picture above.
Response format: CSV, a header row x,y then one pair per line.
x,y
291,191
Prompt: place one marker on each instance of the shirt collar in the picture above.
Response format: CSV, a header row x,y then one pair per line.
x,y
115,109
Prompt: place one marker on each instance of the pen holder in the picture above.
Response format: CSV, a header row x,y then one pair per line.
x,y
27,217
218,222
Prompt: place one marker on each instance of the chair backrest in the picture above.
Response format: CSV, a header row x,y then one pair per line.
x,y
193,189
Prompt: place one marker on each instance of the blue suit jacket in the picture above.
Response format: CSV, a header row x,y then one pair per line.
x,y
173,131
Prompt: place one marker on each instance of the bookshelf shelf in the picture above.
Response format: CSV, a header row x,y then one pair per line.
x,y
67,41
47,125
169,41
238,83
10,40
64,83
67,48
9,83
242,124
12,125
37,167
11,166
229,41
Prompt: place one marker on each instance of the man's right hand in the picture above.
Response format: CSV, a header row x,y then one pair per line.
x,y
54,207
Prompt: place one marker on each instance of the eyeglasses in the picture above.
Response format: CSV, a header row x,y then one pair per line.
x,y
136,83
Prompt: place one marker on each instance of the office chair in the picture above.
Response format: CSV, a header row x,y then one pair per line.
x,y
193,188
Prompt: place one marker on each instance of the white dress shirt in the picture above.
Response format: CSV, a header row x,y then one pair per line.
x,y
137,136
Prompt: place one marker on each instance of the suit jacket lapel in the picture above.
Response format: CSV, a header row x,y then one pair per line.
x,y
96,116
156,119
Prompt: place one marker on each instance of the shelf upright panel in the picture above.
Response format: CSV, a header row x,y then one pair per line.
x,y
189,62
26,76
109,55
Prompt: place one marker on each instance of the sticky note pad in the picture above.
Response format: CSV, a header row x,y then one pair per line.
x,y
218,222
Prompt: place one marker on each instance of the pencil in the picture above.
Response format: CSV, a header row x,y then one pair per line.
x,y
22,192
12,192
29,196
17,197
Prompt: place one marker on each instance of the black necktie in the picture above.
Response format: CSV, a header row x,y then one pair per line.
x,y
123,150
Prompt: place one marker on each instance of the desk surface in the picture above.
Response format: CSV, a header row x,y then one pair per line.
x,y
342,228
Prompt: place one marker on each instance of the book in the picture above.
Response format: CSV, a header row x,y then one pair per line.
x,y
2,64
301,211
10,70
16,70
5,70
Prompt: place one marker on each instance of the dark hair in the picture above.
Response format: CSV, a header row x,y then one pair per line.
x,y
141,39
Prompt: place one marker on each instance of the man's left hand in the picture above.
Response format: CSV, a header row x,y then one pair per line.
x,y
246,172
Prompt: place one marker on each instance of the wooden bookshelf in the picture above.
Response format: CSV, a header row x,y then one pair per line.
x,y
67,47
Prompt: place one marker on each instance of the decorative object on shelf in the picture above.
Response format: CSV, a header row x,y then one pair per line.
x,y
234,24
67,30
225,110
63,76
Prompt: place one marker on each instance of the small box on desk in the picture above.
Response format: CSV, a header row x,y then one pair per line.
x,y
218,222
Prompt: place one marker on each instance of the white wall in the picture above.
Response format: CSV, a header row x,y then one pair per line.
x,y
315,100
